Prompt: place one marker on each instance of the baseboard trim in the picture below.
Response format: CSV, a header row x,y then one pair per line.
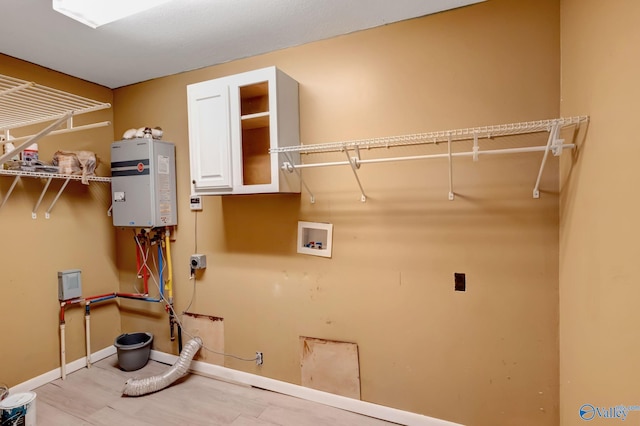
x,y
241,377
55,374
344,403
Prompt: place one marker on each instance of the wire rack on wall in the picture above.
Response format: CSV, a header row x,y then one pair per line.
x,y
554,145
24,103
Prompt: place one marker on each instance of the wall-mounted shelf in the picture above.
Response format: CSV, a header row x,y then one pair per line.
x,y
49,177
352,148
24,103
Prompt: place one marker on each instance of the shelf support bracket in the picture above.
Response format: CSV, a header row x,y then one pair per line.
x,y
476,148
8,194
47,214
451,196
557,146
354,162
552,141
357,157
44,190
289,166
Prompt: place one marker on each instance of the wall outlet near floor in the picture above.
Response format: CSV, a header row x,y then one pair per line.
x,y
259,358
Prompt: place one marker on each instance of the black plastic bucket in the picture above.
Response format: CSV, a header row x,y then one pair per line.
x,y
133,350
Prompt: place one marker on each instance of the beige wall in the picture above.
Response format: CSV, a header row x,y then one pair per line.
x,y
599,210
78,235
488,356
485,357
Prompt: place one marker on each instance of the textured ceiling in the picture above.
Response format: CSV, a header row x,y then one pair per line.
x,y
183,35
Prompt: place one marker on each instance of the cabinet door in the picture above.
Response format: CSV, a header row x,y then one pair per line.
x,y
253,95
209,137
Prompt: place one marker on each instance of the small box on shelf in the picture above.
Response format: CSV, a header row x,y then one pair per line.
x,y
315,238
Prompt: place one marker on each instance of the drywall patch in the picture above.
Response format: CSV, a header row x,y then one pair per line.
x,y
330,366
211,330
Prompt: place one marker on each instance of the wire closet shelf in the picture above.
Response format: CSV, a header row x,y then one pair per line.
x,y
25,103
436,137
554,145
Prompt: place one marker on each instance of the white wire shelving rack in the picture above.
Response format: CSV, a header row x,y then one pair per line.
x,y
24,103
352,148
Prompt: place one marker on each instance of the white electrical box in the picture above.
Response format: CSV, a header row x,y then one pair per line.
x,y
195,202
198,261
69,284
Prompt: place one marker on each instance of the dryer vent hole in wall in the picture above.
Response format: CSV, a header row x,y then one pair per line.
x,y
460,281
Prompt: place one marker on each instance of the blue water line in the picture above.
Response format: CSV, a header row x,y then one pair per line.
x,y
113,296
161,283
102,299
146,299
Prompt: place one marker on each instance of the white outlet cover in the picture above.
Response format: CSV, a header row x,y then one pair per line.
x,y
195,202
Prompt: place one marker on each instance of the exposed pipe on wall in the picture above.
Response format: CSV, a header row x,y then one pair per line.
x,y
169,285
163,240
160,270
167,235
88,301
63,354
87,329
141,258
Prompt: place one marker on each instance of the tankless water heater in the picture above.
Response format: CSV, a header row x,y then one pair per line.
x,y
143,183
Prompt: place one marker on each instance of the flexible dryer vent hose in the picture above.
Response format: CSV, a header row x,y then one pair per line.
x,y
138,387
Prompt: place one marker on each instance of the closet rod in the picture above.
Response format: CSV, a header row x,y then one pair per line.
x,y
25,117
63,131
289,167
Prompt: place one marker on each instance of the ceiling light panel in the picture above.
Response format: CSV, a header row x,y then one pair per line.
x,y
95,13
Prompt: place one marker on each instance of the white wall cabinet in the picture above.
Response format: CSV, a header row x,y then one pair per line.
x,y
233,123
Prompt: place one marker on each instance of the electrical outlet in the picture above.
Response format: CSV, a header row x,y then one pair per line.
x,y
198,261
195,202
259,358
460,281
